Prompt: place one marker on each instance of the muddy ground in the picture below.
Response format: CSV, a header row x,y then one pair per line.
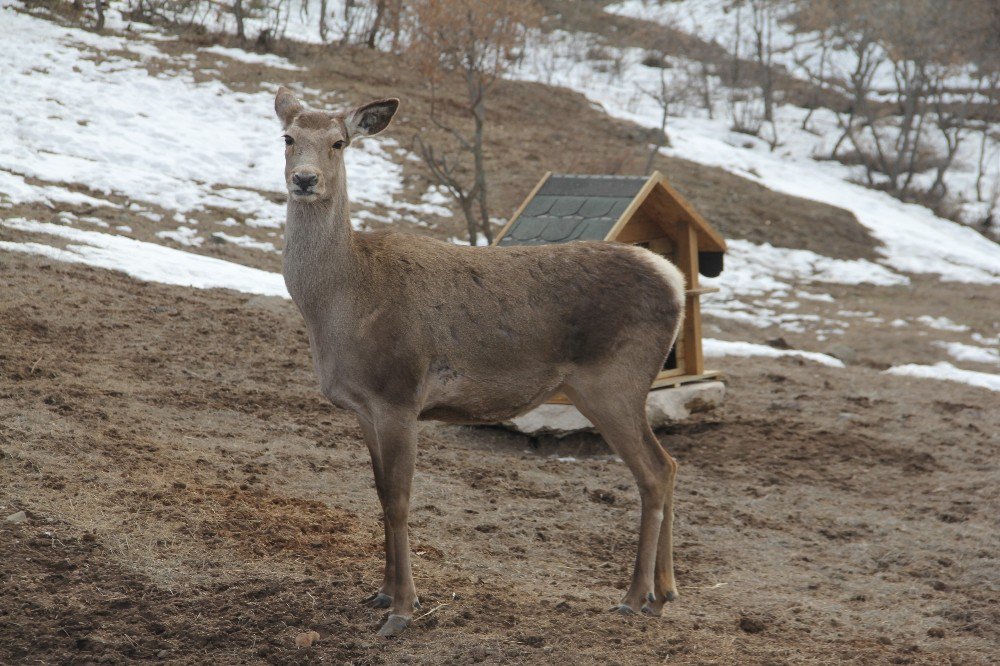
x,y
190,498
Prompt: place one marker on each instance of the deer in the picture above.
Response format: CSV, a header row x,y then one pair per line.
x,y
404,328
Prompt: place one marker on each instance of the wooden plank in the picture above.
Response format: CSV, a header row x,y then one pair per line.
x,y
686,379
632,207
661,381
667,213
715,241
520,209
640,229
687,261
700,291
679,344
664,246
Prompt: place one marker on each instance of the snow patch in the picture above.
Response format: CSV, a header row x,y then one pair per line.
x,y
713,347
948,372
183,235
971,353
245,241
166,140
268,59
14,189
760,278
146,261
942,324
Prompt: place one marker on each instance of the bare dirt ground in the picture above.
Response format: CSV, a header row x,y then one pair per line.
x,y
190,498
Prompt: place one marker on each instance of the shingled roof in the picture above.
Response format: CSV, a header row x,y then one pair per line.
x,y
567,208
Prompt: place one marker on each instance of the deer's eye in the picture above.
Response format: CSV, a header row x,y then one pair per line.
x,y
337,145
288,140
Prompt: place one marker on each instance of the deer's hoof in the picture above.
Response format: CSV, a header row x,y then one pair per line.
x,y
623,609
654,607
654,610
378,600
394,625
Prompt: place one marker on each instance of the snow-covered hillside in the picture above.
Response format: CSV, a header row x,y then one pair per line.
x,y
88,114
915,240
799,54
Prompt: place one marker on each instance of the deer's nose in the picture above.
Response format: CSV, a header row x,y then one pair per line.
x,y
305,181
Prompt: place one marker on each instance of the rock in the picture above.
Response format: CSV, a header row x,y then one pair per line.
x,y
306,639
842,352
846,417
17,518
663,406
779,343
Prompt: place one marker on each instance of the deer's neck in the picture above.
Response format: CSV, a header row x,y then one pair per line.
x,y
319,262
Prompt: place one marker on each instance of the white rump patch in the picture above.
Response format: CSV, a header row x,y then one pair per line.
x,y
667,270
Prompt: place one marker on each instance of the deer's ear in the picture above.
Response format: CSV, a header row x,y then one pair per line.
x,y
371,118
286,106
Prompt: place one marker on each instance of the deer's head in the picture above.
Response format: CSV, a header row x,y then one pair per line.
x,y
315,142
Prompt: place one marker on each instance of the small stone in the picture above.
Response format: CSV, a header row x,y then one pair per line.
x,y
17,518
842,352
779,343
306,639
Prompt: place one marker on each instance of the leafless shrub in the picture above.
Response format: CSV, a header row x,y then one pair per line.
x,y
475,42
746,111
921,46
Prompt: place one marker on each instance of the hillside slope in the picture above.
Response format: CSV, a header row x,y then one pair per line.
x,y
178,490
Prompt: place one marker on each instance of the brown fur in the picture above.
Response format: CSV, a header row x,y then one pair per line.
x,y
403,328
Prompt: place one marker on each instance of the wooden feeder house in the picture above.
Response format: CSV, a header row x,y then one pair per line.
x,y
639,210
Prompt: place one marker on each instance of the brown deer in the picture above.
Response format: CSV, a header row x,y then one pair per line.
x,y
404,328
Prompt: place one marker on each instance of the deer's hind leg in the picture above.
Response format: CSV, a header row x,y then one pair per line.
x,y
664,583
619,413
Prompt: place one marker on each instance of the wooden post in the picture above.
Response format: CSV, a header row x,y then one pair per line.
x,y
687,259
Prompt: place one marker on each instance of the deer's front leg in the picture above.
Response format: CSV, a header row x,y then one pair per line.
x,y
397,438
383,597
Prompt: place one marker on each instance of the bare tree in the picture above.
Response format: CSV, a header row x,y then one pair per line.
x,y
238,15
376,24
906,115
665,96
951,118
323,28
762,13
474,42
818,19
754,23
